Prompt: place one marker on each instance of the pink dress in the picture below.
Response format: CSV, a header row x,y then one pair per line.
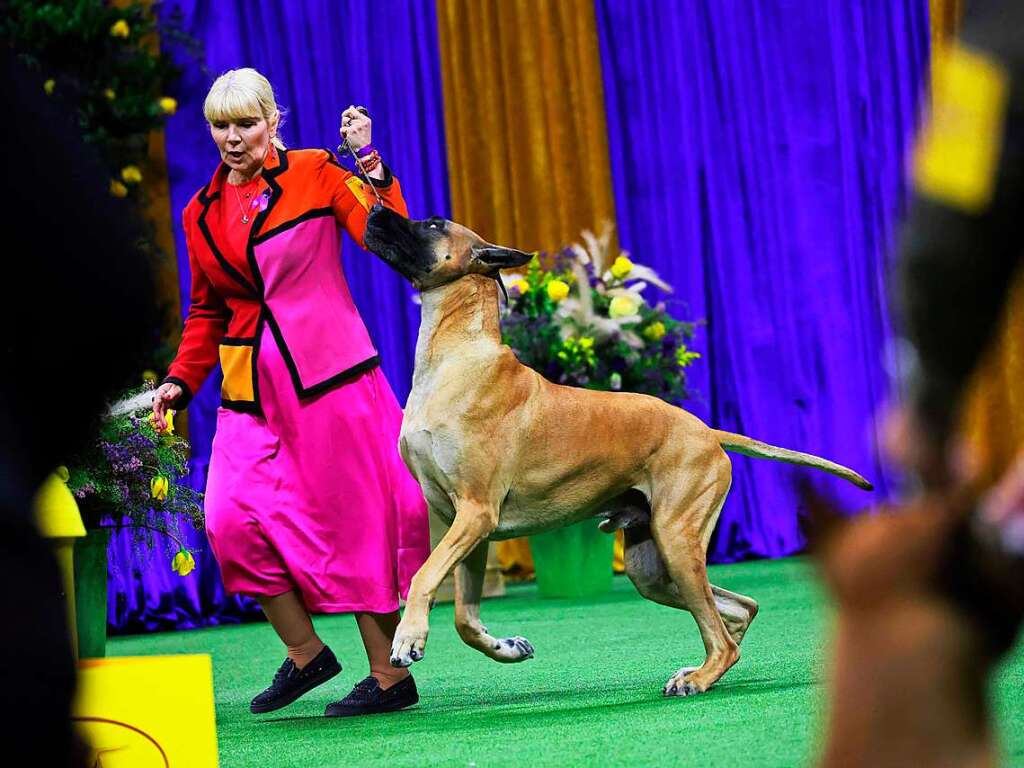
x,y
312,494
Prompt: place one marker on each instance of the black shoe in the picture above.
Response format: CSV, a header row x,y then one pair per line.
x,y
290,682
368,698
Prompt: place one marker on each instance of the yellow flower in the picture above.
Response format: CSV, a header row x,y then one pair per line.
x,y
62,473
655,331
168,105
183,563
622,306
120,28
48,86
117,189
576,352
558,290
149,375
685,356
131,174
168,417
110,94
521,285
621,267
158,487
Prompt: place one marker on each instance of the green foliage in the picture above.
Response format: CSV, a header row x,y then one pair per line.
x,y
104,62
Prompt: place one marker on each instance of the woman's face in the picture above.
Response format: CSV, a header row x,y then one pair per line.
x,y
243,142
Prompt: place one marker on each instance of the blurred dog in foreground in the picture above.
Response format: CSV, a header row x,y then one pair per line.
x,y
929,599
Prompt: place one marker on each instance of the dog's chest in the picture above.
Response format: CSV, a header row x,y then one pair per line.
x,y
432,455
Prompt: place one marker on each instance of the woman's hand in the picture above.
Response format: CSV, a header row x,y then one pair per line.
x,y
162,399
355,128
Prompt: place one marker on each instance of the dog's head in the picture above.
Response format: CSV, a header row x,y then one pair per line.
x,y
434,251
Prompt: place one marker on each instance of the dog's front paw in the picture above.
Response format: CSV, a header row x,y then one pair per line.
x,y
407,647
509,650
678,685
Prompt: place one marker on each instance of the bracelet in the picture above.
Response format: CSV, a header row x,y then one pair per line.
x,y
365,151
370,163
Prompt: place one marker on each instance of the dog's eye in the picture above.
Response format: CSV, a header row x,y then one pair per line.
x,y
432,225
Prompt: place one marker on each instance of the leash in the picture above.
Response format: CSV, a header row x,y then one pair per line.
x,y
346,147
501,284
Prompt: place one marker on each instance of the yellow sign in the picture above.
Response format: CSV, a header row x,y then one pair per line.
x,y
957,156
148,712
358,189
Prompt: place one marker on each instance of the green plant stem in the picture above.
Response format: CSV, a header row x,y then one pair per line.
x,y
168,534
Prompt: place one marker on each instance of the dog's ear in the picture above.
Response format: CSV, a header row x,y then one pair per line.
x,y
502,258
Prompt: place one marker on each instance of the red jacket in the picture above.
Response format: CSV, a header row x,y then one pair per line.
x,y
295,285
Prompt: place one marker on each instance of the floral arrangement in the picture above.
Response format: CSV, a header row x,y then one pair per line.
x,y
129,477
103,60
581,317
106,62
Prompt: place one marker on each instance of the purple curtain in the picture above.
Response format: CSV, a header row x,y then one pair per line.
x,y
757,150
321,56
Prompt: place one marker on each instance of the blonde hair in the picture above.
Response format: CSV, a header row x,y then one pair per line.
x,y
242,93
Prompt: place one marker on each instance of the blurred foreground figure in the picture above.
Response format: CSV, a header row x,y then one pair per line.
x,y
76,313
931,598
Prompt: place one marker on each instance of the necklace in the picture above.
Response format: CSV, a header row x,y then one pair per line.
x,y
243,207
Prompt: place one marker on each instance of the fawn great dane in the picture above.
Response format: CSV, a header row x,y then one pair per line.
x,y
501,452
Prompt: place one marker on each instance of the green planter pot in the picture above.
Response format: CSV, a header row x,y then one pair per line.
x,y
573,562
91,593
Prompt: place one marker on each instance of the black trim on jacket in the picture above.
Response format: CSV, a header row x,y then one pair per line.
x,y
206,201
241,406
314,213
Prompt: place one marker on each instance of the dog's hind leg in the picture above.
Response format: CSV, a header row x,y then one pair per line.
x,y
469,583
736,610
648,573
683,517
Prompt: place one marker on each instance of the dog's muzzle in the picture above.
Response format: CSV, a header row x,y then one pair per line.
x,y
393,238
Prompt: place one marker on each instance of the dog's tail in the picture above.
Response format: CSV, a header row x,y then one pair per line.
x,y
750,447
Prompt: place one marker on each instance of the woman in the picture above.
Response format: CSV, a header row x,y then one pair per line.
x,y
308,504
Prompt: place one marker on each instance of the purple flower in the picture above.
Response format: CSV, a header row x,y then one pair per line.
x,y
86,490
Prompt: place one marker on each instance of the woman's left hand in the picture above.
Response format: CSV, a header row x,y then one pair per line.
x,y
355,127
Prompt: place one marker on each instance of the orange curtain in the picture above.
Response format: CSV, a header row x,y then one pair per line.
x,y
994,412
524,116
993,417
944,16
158,213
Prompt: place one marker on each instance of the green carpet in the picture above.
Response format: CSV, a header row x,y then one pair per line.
x,y
592,696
